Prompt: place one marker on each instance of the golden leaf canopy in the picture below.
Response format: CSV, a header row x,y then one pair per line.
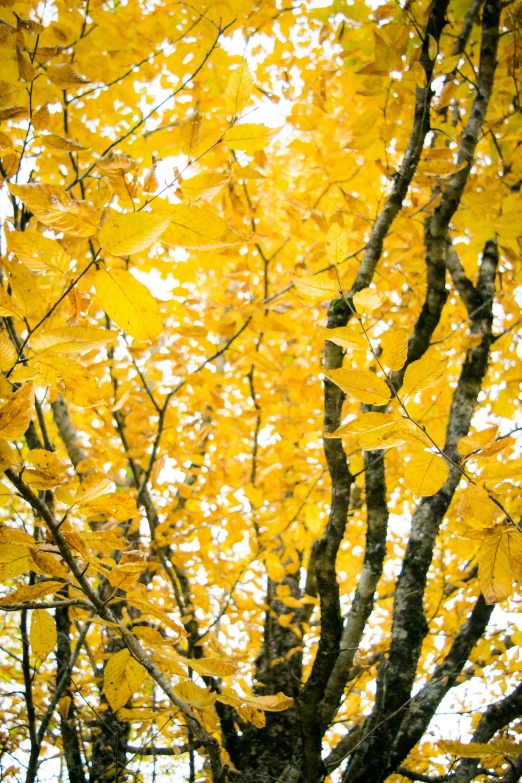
x,y
260,377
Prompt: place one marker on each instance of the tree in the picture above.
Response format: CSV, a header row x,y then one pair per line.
x,y
230,230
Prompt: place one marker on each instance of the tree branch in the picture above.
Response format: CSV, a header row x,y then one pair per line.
x,y
460,279
16,607
325,554
410,774
361,608
152,750
208,741
495,718
67,431
339,313
32,764
69,731
515,773
423,706
409,623
344,748
421,126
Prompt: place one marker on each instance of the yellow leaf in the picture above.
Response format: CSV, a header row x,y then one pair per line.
x,y
42,634
64,76
366,301
472,750
376,430
269,323
124,234
8,456
404,431
53,207
10,163
498,445
394,348
62,143
506,747
114,504
37,252
285,620
70,377
450,63
139,601
251,715
150,184
22,283
105,541
499,472
248,137
336,244
371,425
13,535
364,385
426,473
447,94
15,415
190,134
441,169
8,307
49,563
324,285
293,603
8,353
114,165
14,113
275,703
26,71
123,676
72,339
167,663
31,592
345,336
5,142
142,714
418,73
79,304
129,303
64,705
125,577
197,227
204,185
508,225
194,695
476,504
214,667
15,559
95,485
211,667
41,118
433,47
48,470
275,569
477,441
499,562
422,374
75,541
239,88
151,636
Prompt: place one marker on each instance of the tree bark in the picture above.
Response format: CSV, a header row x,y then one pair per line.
x,y
69,730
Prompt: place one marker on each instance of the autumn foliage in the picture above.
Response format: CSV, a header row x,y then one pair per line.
x,y
260,391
